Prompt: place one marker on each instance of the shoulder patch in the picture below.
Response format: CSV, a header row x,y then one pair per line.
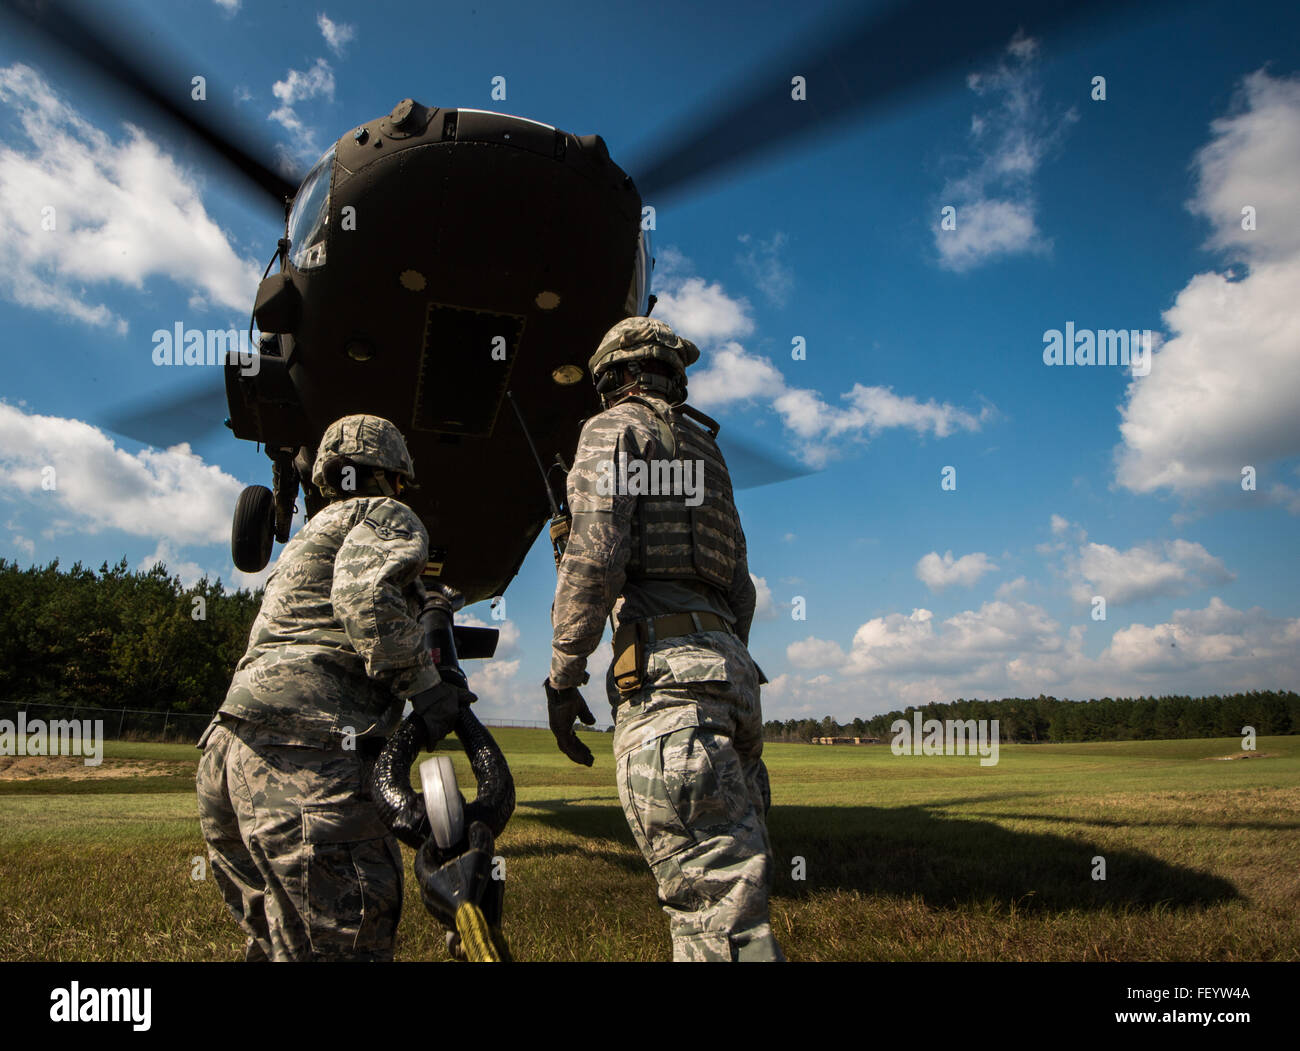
x,y
392,520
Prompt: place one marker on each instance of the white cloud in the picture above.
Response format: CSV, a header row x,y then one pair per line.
x,y
1264,651
337,34
729,374
1015,649
23,543
1223,387
764,607
165,553
813,652
762,263
301,86
1151,570
508,633
249,581
994,201
701,311
228,6
1012,587
504,695
937,572
122,212
298,86
1252,160
170,495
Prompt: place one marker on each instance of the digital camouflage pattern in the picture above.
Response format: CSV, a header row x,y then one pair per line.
x,y
296,846
599,573
638,338
370,441
689,744
695,792
336,646
299,851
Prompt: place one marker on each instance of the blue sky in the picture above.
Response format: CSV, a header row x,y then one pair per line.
x,y
924,345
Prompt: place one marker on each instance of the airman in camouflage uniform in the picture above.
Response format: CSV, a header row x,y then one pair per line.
x,y
297,846
688,727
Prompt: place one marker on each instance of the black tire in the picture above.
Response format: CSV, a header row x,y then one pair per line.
x,y
254,529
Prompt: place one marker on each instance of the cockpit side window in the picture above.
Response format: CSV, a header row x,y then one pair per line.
x,y
309,218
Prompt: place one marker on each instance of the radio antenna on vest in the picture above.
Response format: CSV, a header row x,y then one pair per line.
x,y
560,521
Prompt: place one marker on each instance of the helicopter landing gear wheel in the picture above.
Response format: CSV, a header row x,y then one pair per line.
x,y
254,529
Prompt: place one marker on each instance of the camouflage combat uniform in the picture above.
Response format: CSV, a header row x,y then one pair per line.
x,y
297,847
688,744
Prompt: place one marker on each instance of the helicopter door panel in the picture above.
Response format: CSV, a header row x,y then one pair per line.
x,y
465,369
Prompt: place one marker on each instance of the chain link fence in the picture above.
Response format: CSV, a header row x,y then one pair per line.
x,y
120,724
137,724
532,724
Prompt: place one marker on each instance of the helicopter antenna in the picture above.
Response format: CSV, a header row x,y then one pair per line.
x,y
559,519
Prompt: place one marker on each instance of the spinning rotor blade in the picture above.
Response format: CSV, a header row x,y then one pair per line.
x,y
861,63
168,92
751,465
186,415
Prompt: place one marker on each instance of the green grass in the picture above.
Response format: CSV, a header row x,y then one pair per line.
x,y
904,858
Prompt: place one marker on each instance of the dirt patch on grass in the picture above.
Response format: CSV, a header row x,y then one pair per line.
x,y
74,768
1242,755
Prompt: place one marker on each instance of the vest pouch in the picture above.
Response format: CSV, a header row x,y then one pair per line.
x,y
629,657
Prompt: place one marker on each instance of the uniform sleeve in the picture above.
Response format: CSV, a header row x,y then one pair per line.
x,y
741,596
375,592
594,567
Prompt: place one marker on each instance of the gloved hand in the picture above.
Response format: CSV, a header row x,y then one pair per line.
x,y
563,706
438,707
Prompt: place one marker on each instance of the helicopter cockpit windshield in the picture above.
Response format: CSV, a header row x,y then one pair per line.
x,y
310,214
638,293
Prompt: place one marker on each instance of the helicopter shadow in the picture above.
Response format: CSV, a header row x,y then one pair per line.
x,y
953,860
600,822
919,851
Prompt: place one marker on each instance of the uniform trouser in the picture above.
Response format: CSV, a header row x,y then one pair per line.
x,y
302,858
695,793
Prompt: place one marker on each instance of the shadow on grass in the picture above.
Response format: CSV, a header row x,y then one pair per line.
x,y
948,860
915,850
1102,822
599,821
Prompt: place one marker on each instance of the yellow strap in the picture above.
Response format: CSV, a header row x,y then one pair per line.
x,y
475,935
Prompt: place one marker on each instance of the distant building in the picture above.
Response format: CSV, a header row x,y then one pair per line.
x,y
846,740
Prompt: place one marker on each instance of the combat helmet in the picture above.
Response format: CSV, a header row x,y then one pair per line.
x,y
640,339
366,441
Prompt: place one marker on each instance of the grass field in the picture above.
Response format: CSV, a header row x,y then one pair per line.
x,y
904,858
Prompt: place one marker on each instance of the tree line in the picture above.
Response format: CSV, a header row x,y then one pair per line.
x,y
1046,718
119,638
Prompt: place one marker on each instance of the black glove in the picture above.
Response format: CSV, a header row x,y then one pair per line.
x,y
563,706
438,707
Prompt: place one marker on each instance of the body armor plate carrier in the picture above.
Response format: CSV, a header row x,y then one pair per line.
x,y
672,540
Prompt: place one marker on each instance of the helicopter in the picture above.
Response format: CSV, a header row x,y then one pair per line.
x,y
385,308
438,262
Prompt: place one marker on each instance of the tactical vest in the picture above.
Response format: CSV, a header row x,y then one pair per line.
x,y
670,539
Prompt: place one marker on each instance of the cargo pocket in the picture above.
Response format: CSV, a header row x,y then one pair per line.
x,y
671,792
354,881
690,664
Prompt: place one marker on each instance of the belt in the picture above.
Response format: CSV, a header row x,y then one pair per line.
x,y
673,624
633,637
